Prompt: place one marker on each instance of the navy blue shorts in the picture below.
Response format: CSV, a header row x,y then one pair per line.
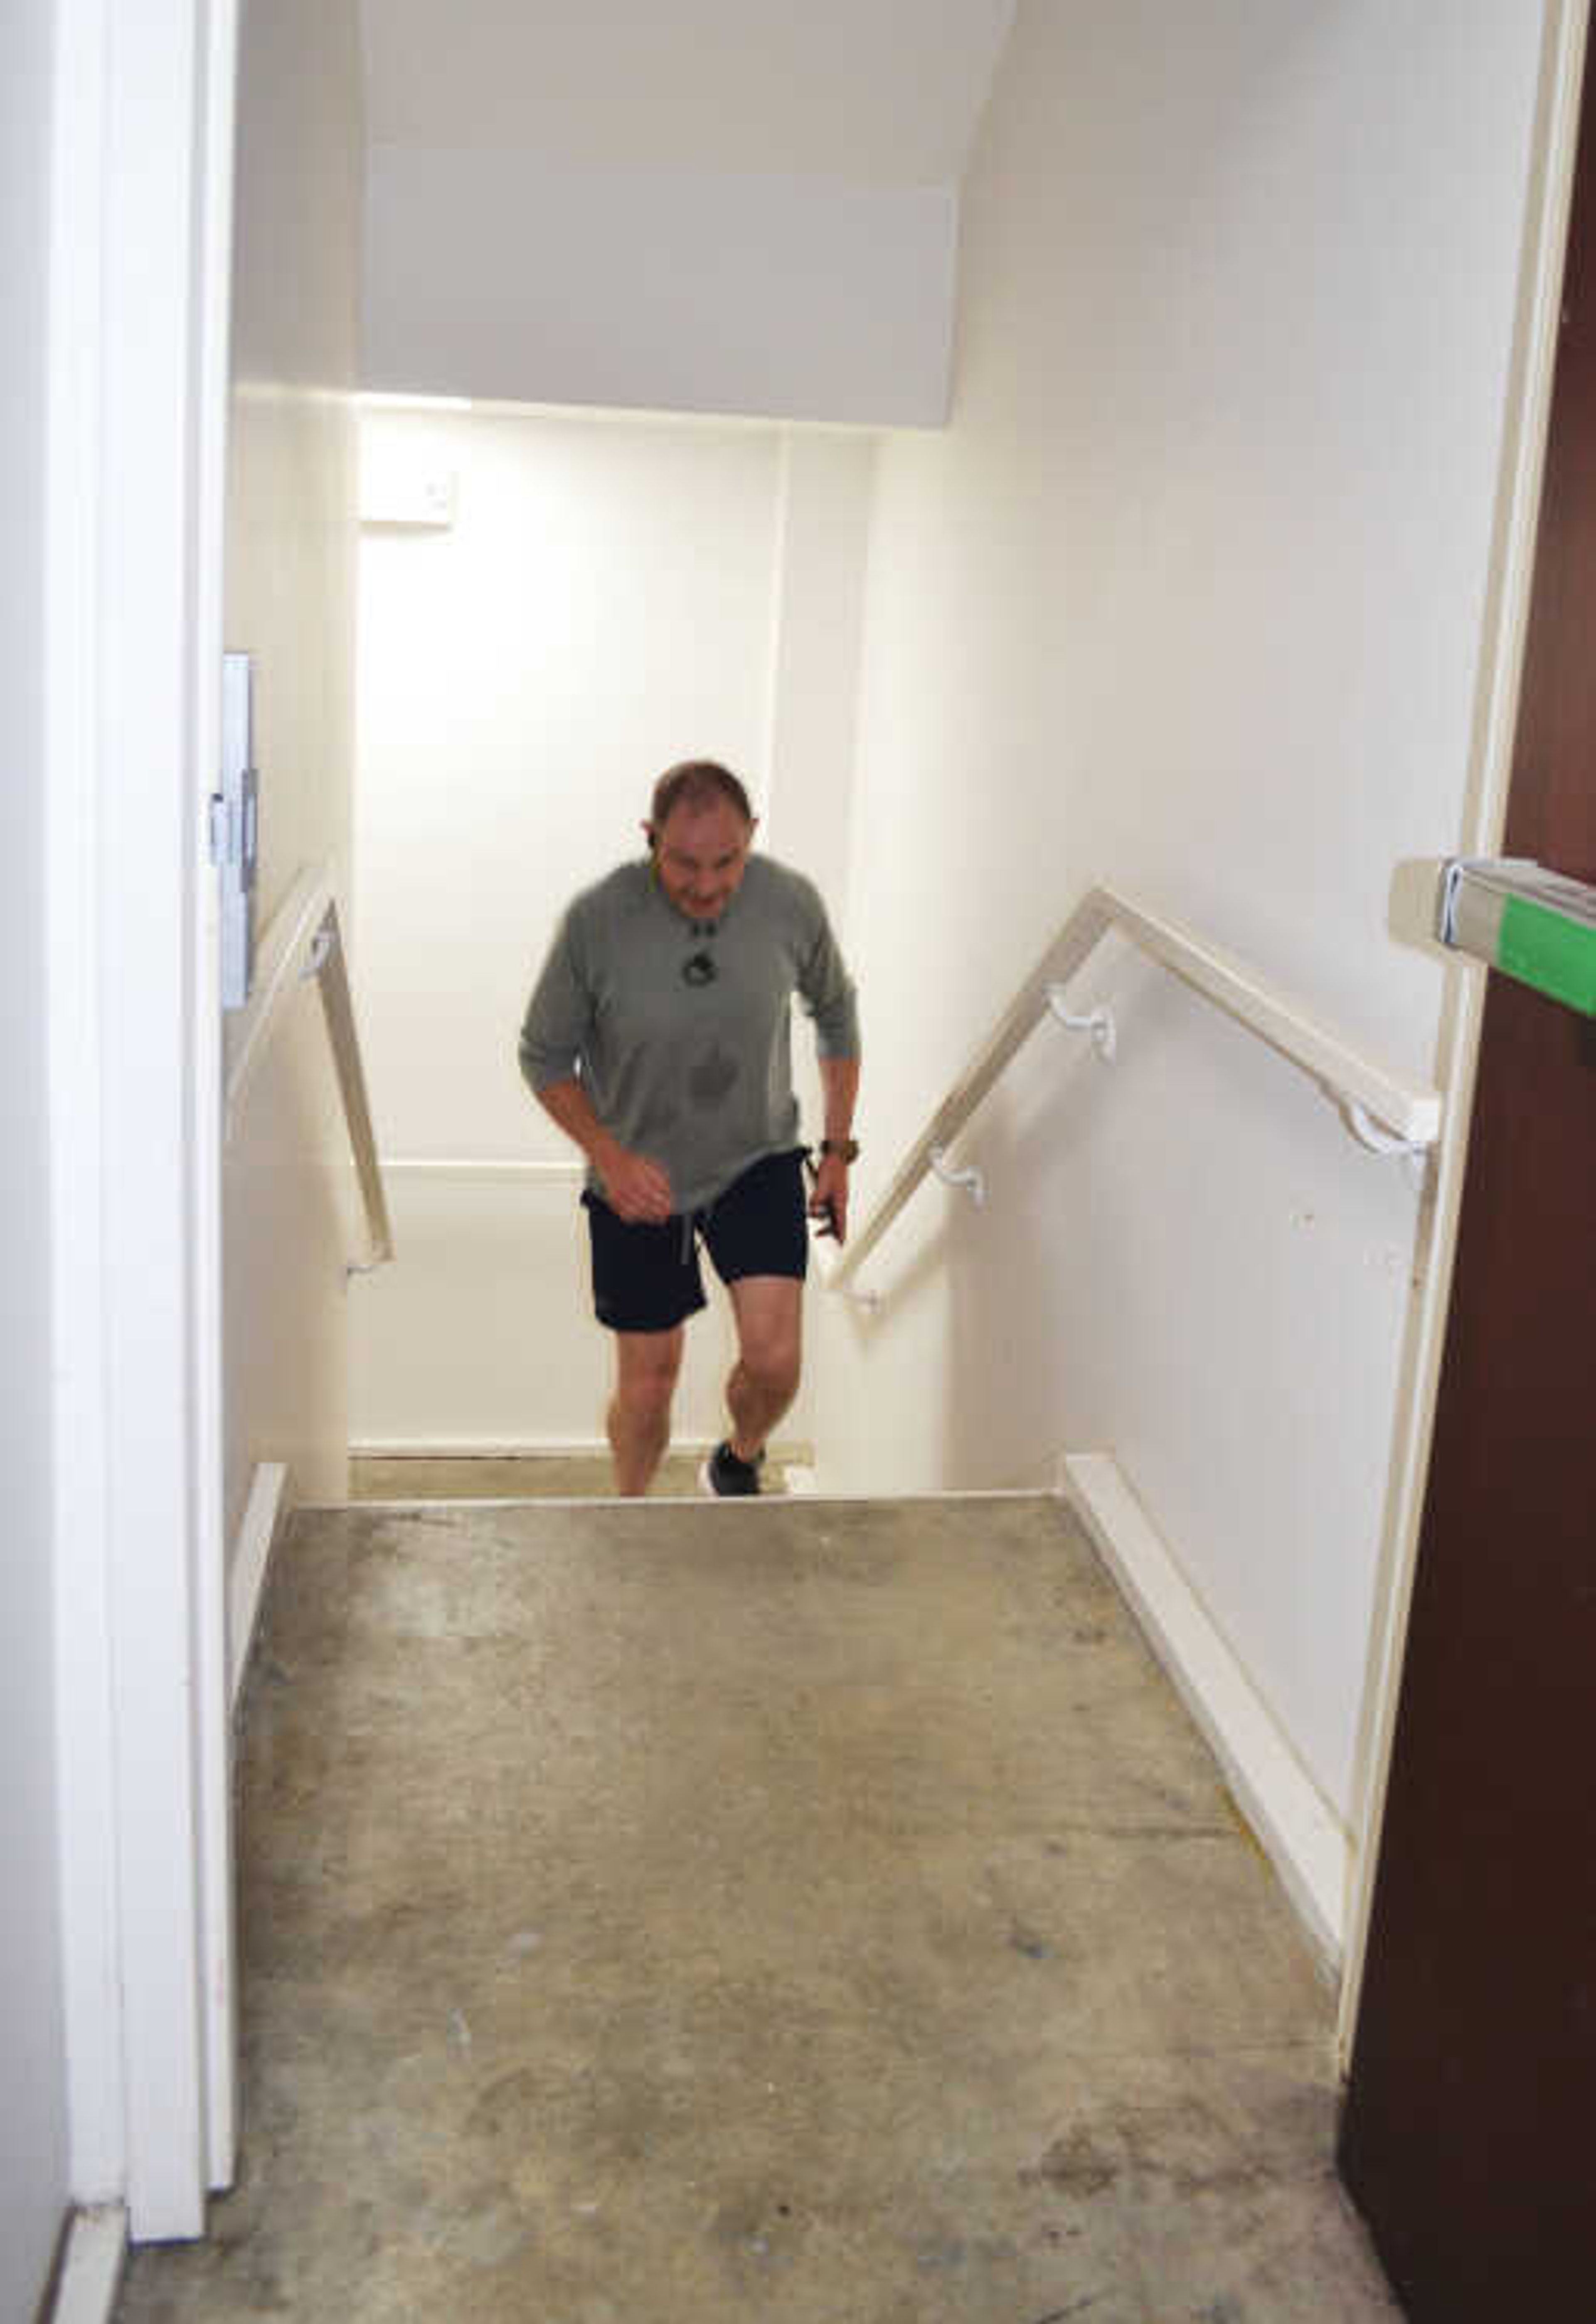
x,y
646,1277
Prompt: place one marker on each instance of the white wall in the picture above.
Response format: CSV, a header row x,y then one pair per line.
x,y
290,602
823,531
1189,597
32,2073
492,272
606,601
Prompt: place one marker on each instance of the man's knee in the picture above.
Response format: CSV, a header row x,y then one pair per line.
x,y
772,1359
646,1370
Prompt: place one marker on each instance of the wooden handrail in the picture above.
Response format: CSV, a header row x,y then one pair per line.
x,y
304,940
1411,1111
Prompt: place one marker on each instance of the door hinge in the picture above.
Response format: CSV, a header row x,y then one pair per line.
x,y
234,830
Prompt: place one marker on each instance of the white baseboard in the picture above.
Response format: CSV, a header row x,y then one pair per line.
x,y
263,1514
495,1448
1293,1822
91,2272
528,1448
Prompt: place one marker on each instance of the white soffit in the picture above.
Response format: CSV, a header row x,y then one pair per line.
x,y
868,92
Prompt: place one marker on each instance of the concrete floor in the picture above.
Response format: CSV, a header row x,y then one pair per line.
x,y
814,1911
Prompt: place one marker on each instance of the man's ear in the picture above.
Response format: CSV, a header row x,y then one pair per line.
x,y
652,835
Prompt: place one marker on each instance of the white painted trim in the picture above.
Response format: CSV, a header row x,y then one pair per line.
x,y
1294,1824
91,2272
158,611
1503,625
522,1448
270,1501
90,1906
494,1448
1266,1010
218,71
465,1169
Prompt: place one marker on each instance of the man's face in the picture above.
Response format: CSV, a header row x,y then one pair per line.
x,y
700,853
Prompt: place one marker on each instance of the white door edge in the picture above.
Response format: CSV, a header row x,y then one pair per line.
x,y
213,290
1565,24
140,289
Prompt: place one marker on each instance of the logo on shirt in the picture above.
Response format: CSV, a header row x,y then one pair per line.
x,y
699,968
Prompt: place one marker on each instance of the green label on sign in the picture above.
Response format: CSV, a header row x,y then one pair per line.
x,y
1554,954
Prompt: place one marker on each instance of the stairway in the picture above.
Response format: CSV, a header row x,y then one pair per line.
x,y
808,1911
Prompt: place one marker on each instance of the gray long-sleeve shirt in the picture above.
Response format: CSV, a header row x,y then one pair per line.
x,y
680,1032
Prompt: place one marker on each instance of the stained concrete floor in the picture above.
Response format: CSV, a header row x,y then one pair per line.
x,y
812,1912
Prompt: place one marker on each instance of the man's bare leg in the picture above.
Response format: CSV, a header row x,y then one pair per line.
x,y
764,1380
646,1366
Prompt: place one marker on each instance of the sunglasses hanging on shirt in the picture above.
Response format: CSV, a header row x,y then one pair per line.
x,y
699,968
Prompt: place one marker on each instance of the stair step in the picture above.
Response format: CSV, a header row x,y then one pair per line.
x,y
699,1912
533,1476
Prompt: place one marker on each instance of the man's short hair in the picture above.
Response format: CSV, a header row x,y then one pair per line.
x,y
696,783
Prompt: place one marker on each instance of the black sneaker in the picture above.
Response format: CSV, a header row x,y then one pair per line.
x,y
726,1477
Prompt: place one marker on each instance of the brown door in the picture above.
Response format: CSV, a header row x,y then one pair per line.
x,y
1469,2140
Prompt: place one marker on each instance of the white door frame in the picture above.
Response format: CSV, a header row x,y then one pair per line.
x,y
1565,25
140,292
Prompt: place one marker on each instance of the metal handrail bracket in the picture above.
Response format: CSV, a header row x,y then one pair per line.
x,y
968,1181
303,942
1098,1023
1375,1098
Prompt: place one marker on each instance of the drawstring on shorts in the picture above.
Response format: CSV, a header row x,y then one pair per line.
x,y
694,1222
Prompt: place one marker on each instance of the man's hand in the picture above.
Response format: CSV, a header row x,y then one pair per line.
x,y
636,1189
829,1200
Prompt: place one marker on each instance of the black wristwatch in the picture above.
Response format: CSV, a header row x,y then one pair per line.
x,y
846,1149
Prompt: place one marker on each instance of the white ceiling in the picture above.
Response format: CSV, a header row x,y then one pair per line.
x,y
873,92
